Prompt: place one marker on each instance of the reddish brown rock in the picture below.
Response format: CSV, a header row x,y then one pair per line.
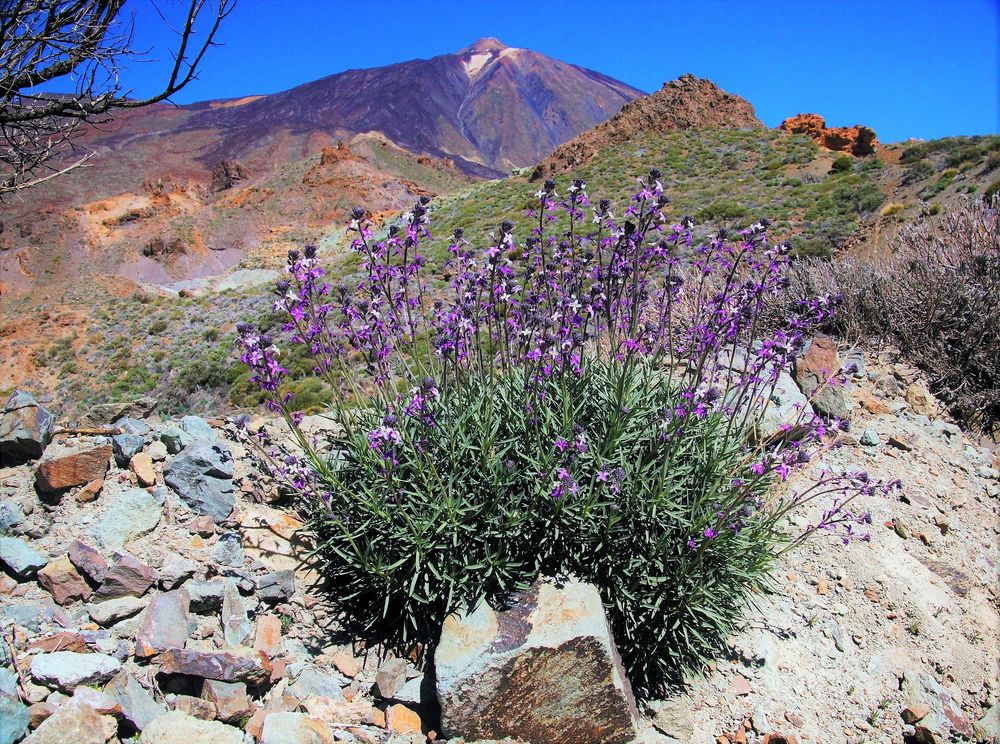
x,y
164,623
127,577
195,707
402,720
90,563
62,641
268,637
100,702
740,686
229,698
142,466
528,671
816,373
39,712
90,491
857,140
914,713
234,665
203,526
74,722
226,174
61,579
74,469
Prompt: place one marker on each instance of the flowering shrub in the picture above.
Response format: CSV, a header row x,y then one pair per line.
x,y
584,401
934,299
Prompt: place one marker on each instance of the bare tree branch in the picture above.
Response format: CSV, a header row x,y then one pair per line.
x,y
85,43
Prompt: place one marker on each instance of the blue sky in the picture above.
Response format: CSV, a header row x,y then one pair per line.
x,y
920,68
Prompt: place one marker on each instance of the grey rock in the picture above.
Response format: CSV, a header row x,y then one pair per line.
x,y
11,516
785,406
289,728
175,570
129,425
391,676
673,718
854,363
14,719
235,622
138,705
130,514
870,438
206,596
112,611
22,560
759,720
201,475
838,636
164,623
8,682
125,446
68,669
27,615
416,691
106,412
25,429
228,550
527,671
276,586
177,727
988,725
313,680
984,471
175,439
157,451
198,428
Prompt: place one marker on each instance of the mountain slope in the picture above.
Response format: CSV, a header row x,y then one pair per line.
x,y
489,106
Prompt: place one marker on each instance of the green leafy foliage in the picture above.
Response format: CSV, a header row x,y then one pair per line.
x,y
487,522
843,164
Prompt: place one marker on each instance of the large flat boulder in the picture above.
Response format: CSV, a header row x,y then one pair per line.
x,y
73,469
202,476
545,670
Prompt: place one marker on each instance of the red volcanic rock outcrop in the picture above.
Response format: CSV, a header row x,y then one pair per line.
x,y
856,140
685,103
227,174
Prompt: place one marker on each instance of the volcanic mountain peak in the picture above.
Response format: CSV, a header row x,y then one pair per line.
x,y
485,45
482,53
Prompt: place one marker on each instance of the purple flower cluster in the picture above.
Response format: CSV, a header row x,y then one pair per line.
x,y
583,286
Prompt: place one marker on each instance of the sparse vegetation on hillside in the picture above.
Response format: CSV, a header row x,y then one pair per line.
x,y
934,300
729,177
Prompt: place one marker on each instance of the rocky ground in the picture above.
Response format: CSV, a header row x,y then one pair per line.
x,y
860,642
151,587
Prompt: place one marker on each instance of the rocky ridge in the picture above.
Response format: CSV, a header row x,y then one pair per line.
x,y
153,586
688,102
